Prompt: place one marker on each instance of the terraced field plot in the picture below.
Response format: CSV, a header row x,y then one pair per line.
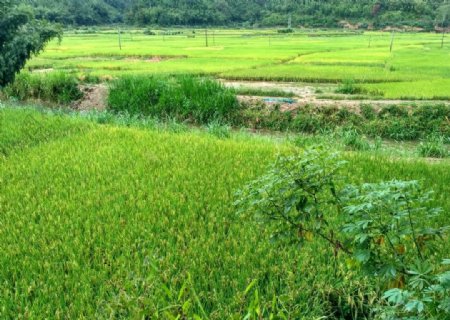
x,y
417,67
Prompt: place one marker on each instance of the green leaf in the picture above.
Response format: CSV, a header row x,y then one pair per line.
x,y
414,305
250,286
362,255
396,296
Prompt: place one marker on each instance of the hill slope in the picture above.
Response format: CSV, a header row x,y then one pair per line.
x,y
325,13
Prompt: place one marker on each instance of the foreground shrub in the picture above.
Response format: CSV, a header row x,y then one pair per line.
x,y
382,229
58,87
198,100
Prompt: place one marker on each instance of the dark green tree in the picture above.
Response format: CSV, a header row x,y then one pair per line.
x,y
21,36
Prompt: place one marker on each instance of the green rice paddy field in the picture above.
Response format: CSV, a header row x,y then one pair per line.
x,y
418,67
108,217
109,222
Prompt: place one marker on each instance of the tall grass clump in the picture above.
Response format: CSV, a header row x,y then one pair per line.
x,y
434,147
348,87
197,100
219,130
55,87
354,141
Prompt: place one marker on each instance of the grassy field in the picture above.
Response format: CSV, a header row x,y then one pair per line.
x,y
105,221
311,56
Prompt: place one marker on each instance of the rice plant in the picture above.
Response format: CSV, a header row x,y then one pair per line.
x,y
131,221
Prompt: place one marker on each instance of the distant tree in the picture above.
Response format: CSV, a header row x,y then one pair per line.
x,y
21,36
313,13
443,16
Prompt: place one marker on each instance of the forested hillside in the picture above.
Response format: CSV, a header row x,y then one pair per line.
x,y
318,13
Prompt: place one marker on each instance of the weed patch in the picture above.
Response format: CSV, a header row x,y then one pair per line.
x,y
54,87
390,122
184,98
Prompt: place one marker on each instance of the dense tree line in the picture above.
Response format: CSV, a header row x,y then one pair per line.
x,y
314,13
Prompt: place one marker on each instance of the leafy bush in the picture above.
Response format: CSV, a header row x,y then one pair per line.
x,y
57,87
198,100
427,295
392,241
21,37
293,199
384,228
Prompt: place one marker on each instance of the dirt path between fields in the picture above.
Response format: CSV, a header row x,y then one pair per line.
x,y
306,94
95,97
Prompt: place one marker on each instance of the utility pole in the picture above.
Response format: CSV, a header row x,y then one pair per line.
x,y
120,38
392,41
206,37
443,31
290,21
370,41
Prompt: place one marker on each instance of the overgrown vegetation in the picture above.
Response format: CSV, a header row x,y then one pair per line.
x,y
195,99
434,146
199,100
349,87
55,87
391,122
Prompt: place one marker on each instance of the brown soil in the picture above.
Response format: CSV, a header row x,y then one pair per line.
x,y
299,91
305,95
46,70
95,98
149,60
